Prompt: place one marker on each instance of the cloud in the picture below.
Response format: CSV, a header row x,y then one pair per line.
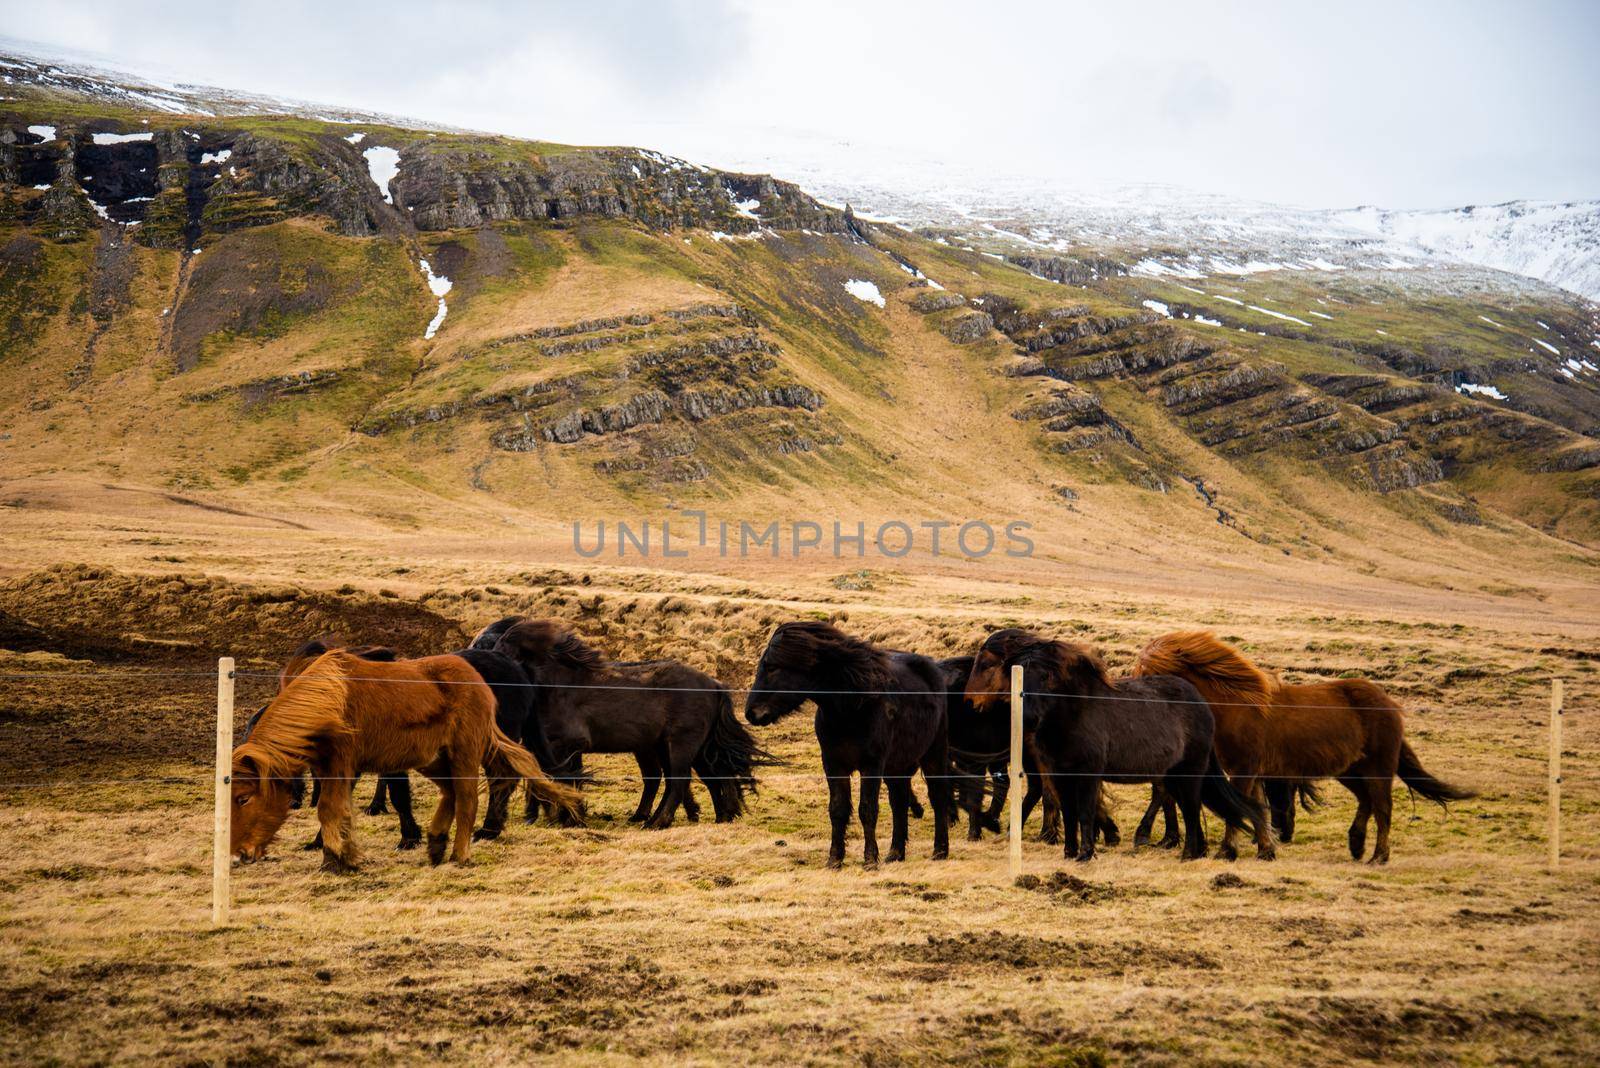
x,y
1195,95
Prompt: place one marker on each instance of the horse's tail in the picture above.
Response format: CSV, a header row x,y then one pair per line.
x,y
507,758
728,760
1412,774
1219,795
1306,790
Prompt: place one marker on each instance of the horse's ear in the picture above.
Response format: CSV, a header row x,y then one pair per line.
x,y
247,771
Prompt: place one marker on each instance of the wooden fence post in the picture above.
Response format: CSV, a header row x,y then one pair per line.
x,y
221,828
1553,835
1015,771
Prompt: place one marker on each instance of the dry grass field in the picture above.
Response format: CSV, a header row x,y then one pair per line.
x,y
708,943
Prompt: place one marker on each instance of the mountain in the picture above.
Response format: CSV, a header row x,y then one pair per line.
x,y
315,313
1556,243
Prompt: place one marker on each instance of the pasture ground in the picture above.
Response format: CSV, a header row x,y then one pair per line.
x,y
713,943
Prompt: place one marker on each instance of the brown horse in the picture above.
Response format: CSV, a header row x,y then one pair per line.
x,y
344,715
1346,729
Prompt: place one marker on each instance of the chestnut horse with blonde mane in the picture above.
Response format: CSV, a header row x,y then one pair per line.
x,y
345,715
1344,729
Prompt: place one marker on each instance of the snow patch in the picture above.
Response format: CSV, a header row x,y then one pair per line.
x,y
46,132
1277,315
1230,300
356,138
384,166
1547,345
1483,391
1491,322
1319,315
119,139
216,157
1208,322
438,285
864,290
1157,306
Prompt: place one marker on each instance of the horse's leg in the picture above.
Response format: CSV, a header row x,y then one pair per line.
x,y
1358,827
915,805
400,797
1171,837
997,804
1266,847
1226,850
934,770
899,811
1086,802
380,796
1281,797
438,772
466,773
867,809
1110,833
968,791
1381,790
501,787
1147,823
333,812
1185,792
678,767
1054,827
838,813
650,774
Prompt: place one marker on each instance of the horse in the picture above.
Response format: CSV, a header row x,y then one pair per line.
x,y
675,720
344,715
513,696
1090,730
880,713
980,753
571,771
1344,729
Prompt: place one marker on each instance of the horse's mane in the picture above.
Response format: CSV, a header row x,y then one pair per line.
x,y
1220,672
1077,663
308,653
551,638
490,635
811,643
310,708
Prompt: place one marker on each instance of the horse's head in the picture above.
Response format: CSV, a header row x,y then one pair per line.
x,y
806,659
989,682
261,803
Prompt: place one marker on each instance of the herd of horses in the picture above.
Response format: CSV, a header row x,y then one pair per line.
x,y
524,703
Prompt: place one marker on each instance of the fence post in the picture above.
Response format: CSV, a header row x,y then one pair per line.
x,y
1553,835
1015,771
221,857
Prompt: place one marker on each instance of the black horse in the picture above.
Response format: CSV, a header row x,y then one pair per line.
x,y
880,713
676,721
1088,730
980,755
514,699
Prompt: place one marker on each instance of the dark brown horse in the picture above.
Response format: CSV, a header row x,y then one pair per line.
x,y
1346,729
343,716
1088,730
880,713
668,715
980,750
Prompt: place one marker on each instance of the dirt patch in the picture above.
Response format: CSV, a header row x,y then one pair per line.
x,y
1368,1028
1067,889
1005,950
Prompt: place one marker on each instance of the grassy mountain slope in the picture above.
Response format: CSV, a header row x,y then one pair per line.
x,y
627,333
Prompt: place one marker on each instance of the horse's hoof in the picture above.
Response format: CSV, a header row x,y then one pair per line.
x,y
941,854
894,856
436,844
409,843
1187,856
1266,854
638,817
992,825
1050,837
1084,858
1379,858
835,863
376,809
1227,852
332,862
485,834
1112,840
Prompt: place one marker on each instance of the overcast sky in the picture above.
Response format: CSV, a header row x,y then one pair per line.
x,y
1391,103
